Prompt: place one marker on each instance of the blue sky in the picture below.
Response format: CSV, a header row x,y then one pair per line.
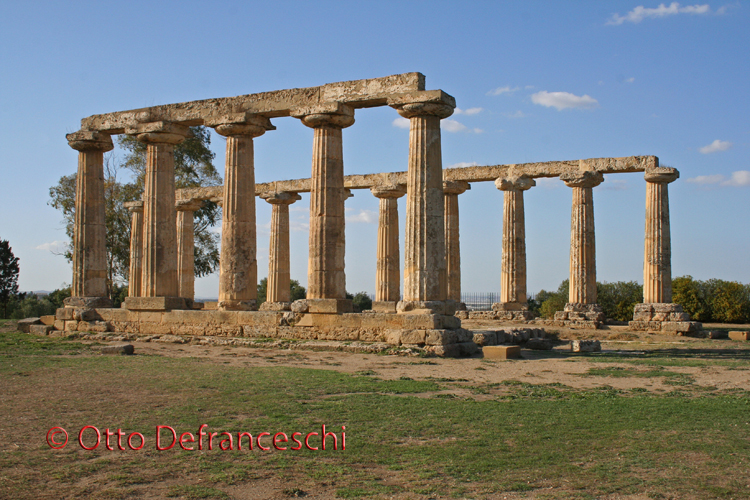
x,y
535,81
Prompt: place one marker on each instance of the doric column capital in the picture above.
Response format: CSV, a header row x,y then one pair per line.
x,y
661,174
423,103
188,205
160,132
248,125
514,183
582,179
388,191
330,114
455,187
280,198
134,206
90,140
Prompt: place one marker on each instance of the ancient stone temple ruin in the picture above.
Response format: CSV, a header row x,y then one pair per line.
x,y
161,288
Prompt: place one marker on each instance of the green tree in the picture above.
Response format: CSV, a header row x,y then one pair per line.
x,y
297,291
8,275
618,299
691,295
554,301
362,300
193,168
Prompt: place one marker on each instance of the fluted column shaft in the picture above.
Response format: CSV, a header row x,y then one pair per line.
x,y
278,284
451,190
388,273
424,247
657,259
135,278
238,265
186,248
326,278
513,262
582,237
90,230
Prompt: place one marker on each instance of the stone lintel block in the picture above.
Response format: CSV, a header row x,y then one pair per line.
x,y
585,346
485,338
329,306
238,305
87,302
384,306
276,306
739,335
440,337
680,326
501,352
154,303
445,351
40,329
24,324
509,306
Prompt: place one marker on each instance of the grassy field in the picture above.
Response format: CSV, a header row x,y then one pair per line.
x,y
404,438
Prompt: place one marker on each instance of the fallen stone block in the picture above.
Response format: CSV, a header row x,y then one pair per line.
x,y
40,329
24,324
122,349
716,334
485,338
47,320
501,352
739,335
585,346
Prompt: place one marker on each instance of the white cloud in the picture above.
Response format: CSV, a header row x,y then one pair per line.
x,y
477,130
299,226
517,114
401,122
640,13
452,126
630,80
502,90
366,216
463,164
739,178
55,247
563,100
548,182
715,147
470,111
615,184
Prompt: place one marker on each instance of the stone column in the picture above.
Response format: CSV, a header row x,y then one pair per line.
x,y
326,278
513,299
136,248
278,296
238,266
451,190
387,274
89,286
425,285
159,287
186,247
582,304
658,313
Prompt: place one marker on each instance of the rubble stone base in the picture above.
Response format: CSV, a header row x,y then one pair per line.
x,y
664,318
155,303
519,316
575,315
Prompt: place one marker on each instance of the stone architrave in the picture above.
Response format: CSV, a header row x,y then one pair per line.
x,y
136,248
451,190
658,313
278,294
326,278
425,280
238,265
89,286
387,273
159,289
186,247
513,298
582,306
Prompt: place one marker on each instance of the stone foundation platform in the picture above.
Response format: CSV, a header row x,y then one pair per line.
x,y
664,318
519,316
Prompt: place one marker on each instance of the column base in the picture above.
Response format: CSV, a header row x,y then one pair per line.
x,y
275,306
384,306
580,315
323,306
157,303
664,318
508,311
238,305
87,302
445,307
509,306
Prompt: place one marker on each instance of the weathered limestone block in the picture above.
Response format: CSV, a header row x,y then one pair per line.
x,y
739,335
501,352
393,337
37,329
445,351
155,303
25,324
585,346
485,338
415,337
440,337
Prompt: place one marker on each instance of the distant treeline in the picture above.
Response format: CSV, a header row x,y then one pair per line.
x,y
711,301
